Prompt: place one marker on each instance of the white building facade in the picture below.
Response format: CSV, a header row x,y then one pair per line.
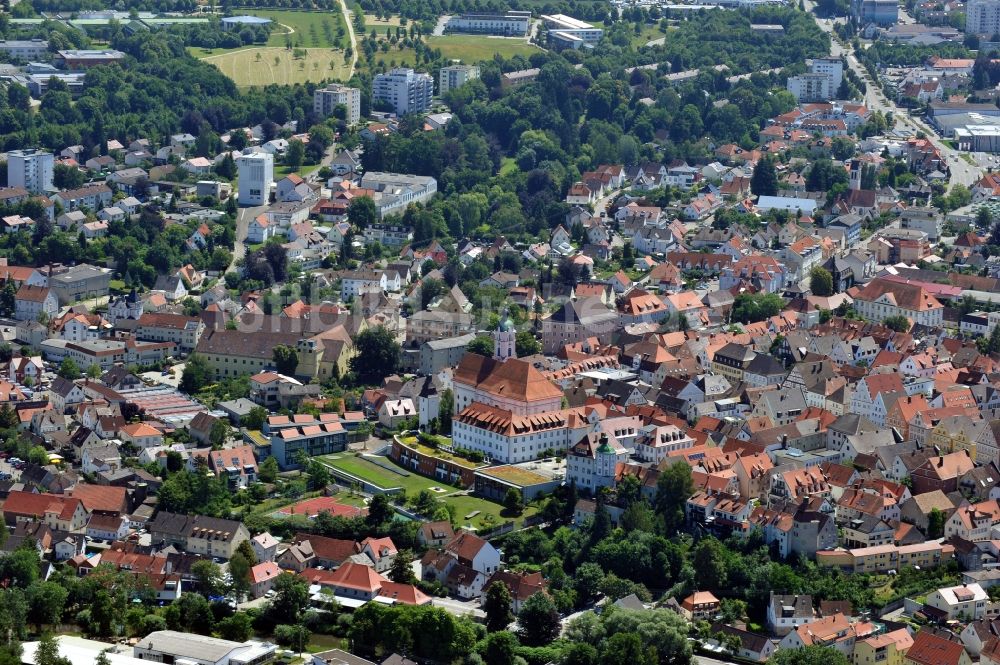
x,y
256,175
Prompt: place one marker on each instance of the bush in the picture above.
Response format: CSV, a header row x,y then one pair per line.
x,y
291,636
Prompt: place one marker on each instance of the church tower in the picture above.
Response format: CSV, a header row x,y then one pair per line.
x,y
503,339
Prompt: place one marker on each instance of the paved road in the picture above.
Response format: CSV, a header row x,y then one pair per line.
x,y
961,172
350,33
243,218
441,24
459,608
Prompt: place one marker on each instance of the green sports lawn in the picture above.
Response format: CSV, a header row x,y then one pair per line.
x,y
413,484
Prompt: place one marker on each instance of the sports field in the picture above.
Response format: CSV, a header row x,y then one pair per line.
x,y
469,510
473,48
267,65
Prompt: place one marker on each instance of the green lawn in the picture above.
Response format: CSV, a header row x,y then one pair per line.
x,y
376,475
259,66
474,48
412,442
647,34
414,483
306,29
394,57
380,25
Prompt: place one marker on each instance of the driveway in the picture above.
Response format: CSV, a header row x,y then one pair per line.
x,y
460,607
243,218
442,23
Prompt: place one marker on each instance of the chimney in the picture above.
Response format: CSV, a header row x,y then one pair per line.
x,y
940,461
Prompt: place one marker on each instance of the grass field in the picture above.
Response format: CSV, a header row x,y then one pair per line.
x,y
413,484
372,22
473,48
258,66
306,29
647,34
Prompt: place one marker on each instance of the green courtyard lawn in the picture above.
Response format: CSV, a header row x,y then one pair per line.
x,y
413,484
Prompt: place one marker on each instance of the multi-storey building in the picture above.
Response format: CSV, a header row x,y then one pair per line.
x,y
454,76
256,175
982,17
405,90
508,24
325,100
30,50
30,169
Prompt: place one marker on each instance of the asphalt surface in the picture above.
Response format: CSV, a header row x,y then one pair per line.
x,y
961,172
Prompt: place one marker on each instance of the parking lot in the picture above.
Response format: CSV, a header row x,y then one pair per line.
x,y
8,472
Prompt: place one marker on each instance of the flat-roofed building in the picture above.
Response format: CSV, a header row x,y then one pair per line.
x,y
511,23
326,100
454,76
170,646
86,58
568,32
31,50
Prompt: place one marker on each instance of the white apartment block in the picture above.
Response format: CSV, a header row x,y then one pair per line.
x,y
810,87
325,100
982,17
31,169
29,50
454,76
256,175
512,23
832,67
405,90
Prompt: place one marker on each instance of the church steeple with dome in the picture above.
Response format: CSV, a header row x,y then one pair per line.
x,y
504,338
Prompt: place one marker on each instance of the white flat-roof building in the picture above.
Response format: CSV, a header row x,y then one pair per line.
x,y
395,191
26,49
80,651
453,76
31,169
568,32
256,175
512,23
791,204
810,87
405,90
170,646
325,100
978,138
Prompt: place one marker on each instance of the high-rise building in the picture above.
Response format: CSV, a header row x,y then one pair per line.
x,y
31,169
879,12
454,76
821,83
832,67
982,17
325,100
256,175
405,90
